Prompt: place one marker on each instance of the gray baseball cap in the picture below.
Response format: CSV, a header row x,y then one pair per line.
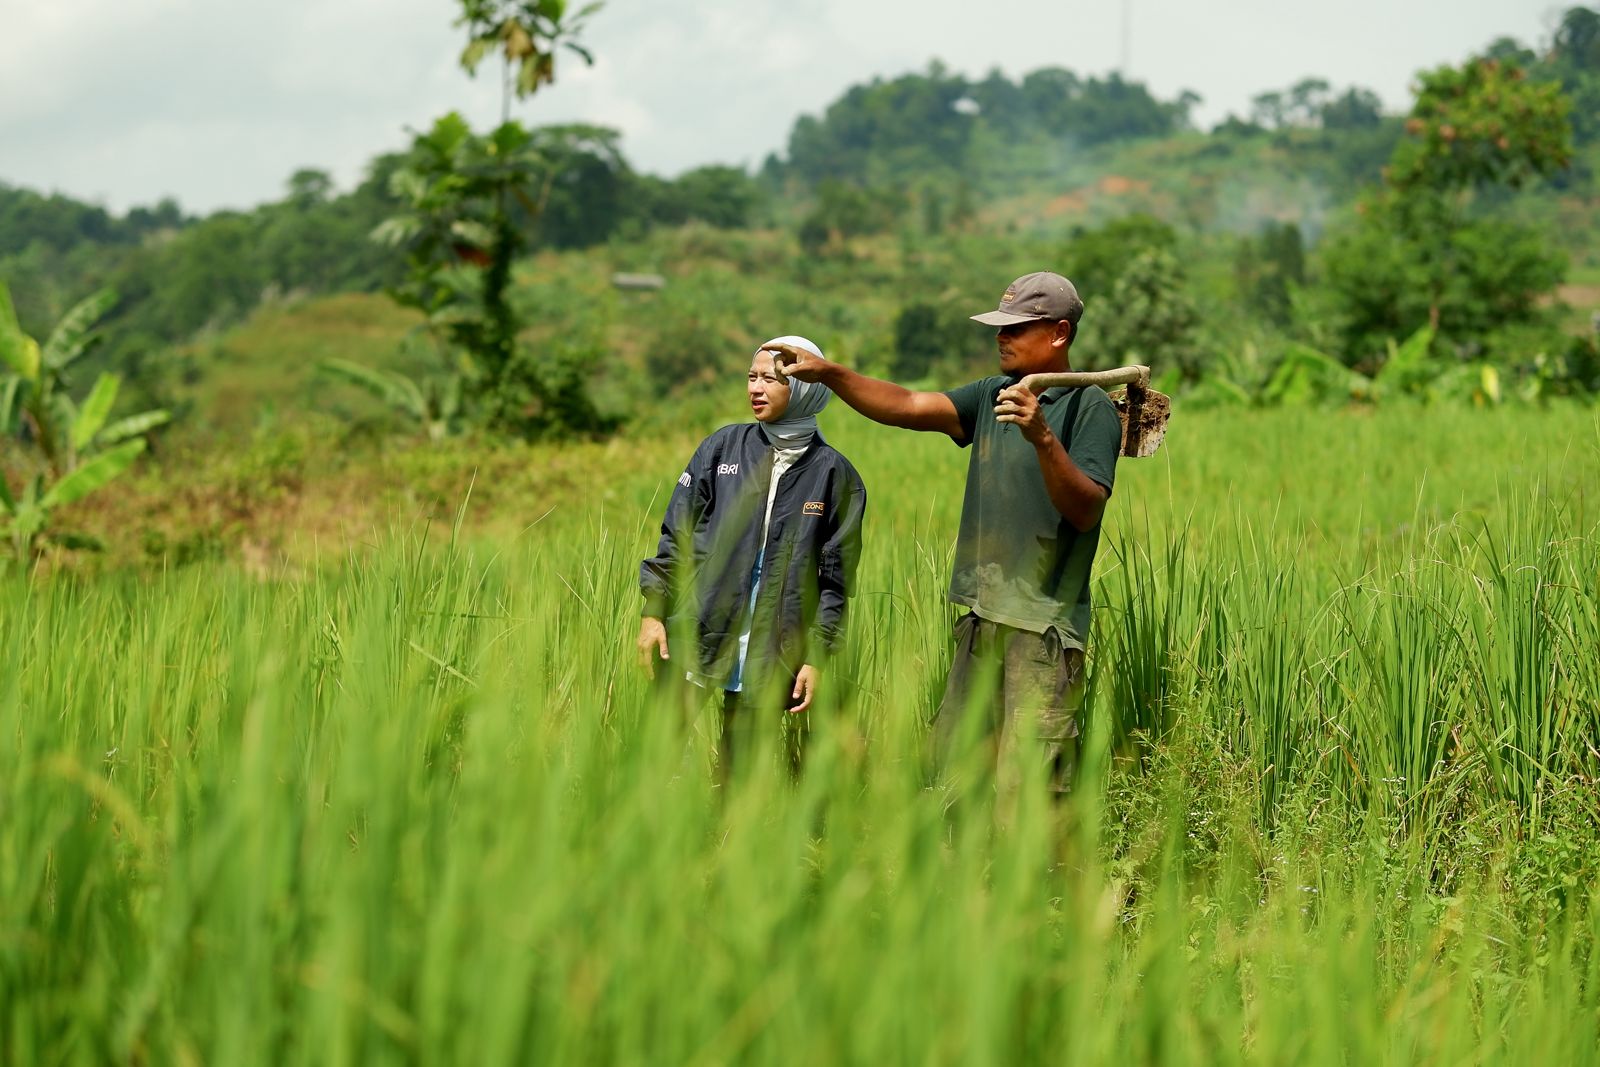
x,y
1038,297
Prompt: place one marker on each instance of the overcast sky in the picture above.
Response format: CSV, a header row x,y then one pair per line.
x,y
216,102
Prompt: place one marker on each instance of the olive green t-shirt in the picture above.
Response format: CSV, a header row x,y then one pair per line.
x,y
1018,562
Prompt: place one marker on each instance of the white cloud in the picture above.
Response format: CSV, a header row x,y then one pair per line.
x,y
218,101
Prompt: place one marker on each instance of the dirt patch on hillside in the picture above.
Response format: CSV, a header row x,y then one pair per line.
x,y
1077,201
1117,185
1579,296
1073,203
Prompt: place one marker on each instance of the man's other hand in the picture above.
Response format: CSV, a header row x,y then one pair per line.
x,y
1019,406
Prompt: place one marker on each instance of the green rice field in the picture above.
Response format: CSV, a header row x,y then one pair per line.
x,y
413,803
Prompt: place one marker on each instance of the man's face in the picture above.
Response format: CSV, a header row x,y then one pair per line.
x,y
768,393
1030,347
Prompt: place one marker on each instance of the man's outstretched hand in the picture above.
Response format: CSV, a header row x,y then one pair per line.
x,y
880,401
794,362
652,641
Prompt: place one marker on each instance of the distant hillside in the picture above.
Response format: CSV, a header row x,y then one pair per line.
x,y
905,199
940,144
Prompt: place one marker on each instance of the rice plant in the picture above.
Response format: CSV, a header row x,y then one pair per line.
x,y
415,805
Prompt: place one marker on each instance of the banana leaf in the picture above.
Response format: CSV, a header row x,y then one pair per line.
x,y
392,388
18,351
92,475
10,402
13,342
1307,375
95,410
1407,364
1215,392
396,231
74,334
132,426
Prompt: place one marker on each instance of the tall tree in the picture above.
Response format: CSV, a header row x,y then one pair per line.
x,y
470,202
1575,61
528,34
1480,124
1420,254
1155,319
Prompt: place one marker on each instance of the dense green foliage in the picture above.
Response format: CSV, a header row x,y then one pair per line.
x,y
1479,125
1095,259
1155,320
1571,62
1423,250
414,804
179,276
942,124
1269,269
58,223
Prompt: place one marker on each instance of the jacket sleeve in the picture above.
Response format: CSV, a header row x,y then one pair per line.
x,y
662,572
840,553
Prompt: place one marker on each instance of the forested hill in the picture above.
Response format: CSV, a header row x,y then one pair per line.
x,y
928,153
934,143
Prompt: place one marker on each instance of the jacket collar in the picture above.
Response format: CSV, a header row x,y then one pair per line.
x,y
816,439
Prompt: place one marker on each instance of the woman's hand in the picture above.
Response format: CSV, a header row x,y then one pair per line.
x,y
805,688
652,637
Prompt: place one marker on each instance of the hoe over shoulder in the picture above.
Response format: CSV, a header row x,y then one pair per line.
x,y
1143,411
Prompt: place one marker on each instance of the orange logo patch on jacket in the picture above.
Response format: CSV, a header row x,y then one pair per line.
x,y
812,507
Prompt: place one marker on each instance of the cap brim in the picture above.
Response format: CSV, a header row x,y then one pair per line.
x,y
1004,318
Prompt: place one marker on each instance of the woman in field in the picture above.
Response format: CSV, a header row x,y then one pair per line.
x,y
757,558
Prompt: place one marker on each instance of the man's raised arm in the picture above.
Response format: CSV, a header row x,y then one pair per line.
x,y
878,400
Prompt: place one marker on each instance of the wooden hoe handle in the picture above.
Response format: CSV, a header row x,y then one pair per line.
x,y
1136,375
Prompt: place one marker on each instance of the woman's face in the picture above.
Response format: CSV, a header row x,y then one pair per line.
x,y
768,393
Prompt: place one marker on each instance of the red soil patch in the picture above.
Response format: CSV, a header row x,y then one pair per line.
x,y
1117,185
1073,203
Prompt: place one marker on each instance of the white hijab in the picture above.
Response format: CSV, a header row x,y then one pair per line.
x,y
799,423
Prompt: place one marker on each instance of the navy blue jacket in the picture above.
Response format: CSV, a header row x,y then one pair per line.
x,y
699,578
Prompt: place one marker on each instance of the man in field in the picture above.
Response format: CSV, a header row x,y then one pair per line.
x,y
1040,474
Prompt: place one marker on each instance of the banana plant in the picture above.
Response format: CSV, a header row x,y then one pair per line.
x,y
26,518
435,403
1408,368
77,448
1305,375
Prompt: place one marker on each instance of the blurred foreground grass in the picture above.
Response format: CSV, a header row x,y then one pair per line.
x,y
400,797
